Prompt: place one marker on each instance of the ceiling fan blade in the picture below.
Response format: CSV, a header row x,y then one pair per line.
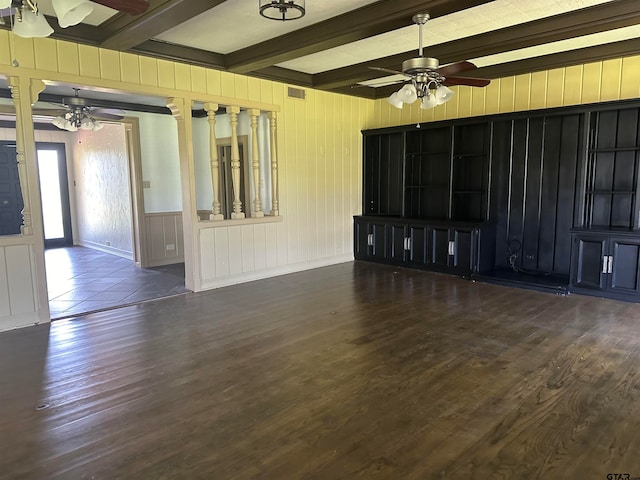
x,y
457,67
386,70
472,82
132,7
49,112
106,116
108,111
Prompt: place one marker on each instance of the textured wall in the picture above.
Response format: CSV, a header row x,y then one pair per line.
x,y
607,80
103,200
160,162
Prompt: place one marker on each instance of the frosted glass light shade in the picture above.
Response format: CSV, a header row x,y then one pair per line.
x,y
71,12
443,94
408,93
32,25
5,4
428,101
395,100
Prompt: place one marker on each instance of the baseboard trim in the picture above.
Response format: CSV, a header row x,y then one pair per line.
x,y
20,320
209,284
106,249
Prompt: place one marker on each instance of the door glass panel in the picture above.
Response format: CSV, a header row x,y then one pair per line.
x,y
50,191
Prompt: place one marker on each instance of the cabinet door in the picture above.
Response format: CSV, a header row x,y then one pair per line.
x,y
440,246
464,252
418,245
378,249
589,264
361,247
396,237
625,258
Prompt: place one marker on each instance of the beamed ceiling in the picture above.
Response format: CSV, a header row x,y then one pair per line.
x,y
333,46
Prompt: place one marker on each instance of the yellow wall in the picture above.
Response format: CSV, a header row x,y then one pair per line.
x,y
589,83
319,150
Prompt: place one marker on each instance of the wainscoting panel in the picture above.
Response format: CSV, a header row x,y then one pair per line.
x,y
18,287
164,239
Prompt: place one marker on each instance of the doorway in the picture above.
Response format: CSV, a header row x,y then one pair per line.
x,y
54,192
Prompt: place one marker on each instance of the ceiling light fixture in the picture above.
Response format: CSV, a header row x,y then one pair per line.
x,y
426,82
282,9
30,22
78,118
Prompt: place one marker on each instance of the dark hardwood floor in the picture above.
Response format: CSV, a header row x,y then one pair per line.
x,y
351,371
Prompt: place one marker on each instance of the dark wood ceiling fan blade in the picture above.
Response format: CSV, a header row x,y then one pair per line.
x,y
105,116
115,112
49,112
387,70
457,67
132,7
472,82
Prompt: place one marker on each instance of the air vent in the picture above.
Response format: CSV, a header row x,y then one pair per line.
x,y
296,93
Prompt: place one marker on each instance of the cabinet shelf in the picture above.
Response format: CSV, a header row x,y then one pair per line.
x,y
439,187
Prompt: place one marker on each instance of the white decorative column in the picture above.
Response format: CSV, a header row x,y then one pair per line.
x,y
233,112
274,164
255,163
27,223
211,109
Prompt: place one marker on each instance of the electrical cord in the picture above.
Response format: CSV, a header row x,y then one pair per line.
x,y
513,252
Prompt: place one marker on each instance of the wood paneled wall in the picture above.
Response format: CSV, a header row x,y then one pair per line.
x,y
18,296
319,153
535,164
164,238
607,80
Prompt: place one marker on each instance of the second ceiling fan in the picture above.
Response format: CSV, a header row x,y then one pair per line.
x,y
426,80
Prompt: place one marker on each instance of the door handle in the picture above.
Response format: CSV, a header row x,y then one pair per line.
x,y
610,264
605,264
452,247
407,243
370,239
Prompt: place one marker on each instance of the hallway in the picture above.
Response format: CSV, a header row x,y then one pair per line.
x,y
82,280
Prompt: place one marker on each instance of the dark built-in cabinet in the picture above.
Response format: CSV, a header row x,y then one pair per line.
x,y
548,196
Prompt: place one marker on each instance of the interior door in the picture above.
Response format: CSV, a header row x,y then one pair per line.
x,y
11,203
54,192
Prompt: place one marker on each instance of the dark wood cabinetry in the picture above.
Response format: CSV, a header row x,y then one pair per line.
x,y
605,263
532,198
462,249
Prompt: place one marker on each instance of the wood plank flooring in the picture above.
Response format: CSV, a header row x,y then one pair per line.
x,y
350,371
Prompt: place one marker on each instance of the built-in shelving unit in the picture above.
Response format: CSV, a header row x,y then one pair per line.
x,y
542,199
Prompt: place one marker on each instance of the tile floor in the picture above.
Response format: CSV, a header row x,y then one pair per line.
x,y
81,280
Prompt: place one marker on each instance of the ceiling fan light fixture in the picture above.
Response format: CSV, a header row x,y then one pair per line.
x,y
5,4
395,100
443,94
31,24
71,12
428,101
282,9
408,93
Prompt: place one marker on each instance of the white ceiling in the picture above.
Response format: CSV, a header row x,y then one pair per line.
x,y
483,18
236,24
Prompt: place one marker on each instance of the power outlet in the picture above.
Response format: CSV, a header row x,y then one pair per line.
x,y
171,247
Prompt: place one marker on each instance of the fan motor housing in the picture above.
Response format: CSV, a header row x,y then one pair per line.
x,y
417,65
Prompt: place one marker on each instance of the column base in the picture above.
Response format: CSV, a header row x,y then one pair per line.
x,y
217,217
274,213
259,214
237,216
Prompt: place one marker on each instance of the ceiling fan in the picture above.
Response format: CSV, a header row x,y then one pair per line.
x,y
28,21
425,79
78,114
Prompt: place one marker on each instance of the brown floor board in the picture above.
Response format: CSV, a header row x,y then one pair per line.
x,y
351,371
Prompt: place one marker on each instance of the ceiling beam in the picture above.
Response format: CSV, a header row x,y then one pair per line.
x,y
124,32
178,53
374,19
284,75
621,13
